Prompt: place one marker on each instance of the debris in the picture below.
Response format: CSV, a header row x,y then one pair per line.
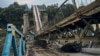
x,y
41,43
71,47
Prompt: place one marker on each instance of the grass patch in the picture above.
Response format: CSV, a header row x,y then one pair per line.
x,y
2,39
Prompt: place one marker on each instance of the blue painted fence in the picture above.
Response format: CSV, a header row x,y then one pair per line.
x,y
10,41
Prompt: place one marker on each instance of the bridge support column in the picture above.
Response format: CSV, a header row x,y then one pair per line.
x,y
26,23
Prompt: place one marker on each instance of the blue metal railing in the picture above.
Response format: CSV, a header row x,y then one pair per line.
x,y
10,41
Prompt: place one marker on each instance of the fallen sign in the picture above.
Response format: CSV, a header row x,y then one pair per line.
x,y
71,47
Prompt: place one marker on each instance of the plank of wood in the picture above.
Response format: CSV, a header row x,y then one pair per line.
x,y
73,18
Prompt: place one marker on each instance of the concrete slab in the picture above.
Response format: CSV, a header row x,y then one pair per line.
x,y
91,50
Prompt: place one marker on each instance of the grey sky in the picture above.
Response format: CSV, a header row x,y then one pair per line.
x,y
5,3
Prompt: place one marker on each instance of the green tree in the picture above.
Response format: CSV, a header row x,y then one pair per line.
x,y
51,10
12,14
56,16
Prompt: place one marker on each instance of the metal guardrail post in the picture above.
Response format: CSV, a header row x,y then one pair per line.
x,y
14,46
7,45
11,41
20,48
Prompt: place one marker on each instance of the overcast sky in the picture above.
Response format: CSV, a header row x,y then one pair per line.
x,y
5,3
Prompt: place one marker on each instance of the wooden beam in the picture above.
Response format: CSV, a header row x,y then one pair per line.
x,y
75,16
81,34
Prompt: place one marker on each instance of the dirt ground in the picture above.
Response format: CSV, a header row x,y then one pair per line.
x,y
38,51
51,52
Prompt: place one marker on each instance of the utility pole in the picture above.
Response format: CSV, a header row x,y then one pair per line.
x,y
74,4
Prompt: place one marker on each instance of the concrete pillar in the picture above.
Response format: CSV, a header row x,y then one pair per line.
x,y
45,20
38,12
37,28
26,23
37,19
